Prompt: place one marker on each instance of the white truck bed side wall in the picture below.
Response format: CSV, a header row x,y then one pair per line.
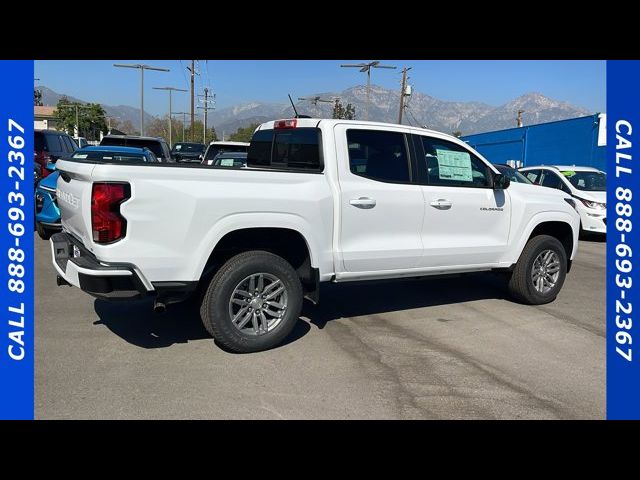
x,y
199,206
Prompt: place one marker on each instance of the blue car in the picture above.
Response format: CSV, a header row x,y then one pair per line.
x,y
47,211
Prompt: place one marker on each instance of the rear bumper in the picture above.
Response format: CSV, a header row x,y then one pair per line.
x,y
80,268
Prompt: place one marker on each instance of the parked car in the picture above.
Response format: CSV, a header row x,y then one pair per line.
x,y
217,147
49,146
512,173
586,184
81,142
109,154
322,201
229,159
187,152
157,145
47,210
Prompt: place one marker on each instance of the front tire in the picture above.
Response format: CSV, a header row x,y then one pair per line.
x,y
43,232
540,272
252,303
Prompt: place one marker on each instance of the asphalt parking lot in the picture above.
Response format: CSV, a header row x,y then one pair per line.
x,y
453,348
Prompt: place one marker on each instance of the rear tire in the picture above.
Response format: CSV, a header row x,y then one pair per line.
x,y
226,299
540,272
43,232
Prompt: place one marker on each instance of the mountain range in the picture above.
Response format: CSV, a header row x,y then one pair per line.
x,y
422,110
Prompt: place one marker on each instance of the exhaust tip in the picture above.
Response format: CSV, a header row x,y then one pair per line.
x,y
159,307
61,282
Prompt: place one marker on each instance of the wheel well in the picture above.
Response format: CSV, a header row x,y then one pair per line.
x,y
286,243
560,230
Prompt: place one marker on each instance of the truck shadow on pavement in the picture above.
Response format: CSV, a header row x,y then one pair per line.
x,y
379,297
136,323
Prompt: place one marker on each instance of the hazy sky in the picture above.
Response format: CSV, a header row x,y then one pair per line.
x,y
582,83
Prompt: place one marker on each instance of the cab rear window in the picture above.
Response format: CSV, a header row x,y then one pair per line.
x,y
288,149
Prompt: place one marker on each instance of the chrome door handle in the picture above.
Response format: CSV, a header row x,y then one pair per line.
x,y
363,202
442,204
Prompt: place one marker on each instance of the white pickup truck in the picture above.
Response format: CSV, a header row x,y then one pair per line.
x,y
319,201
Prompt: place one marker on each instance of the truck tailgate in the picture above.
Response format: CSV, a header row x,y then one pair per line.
x,y
74,198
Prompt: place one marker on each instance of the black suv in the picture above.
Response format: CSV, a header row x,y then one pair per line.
x,y
49,146
188,152
156,144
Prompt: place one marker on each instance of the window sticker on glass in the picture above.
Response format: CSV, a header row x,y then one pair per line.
x,y
178,148
568,173
226,162
81,155
454,165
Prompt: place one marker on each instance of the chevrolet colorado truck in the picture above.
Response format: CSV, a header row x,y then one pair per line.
x,y
319,201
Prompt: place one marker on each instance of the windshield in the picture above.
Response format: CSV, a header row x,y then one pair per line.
x,y
587,181
111,157
188,148
513,174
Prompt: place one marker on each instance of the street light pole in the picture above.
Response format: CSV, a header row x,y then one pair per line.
x,y
142,68
170,90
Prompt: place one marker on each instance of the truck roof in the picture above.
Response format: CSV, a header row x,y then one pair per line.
x,y
315,122
230,144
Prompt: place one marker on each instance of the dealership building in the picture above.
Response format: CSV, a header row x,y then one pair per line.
x,y
576,141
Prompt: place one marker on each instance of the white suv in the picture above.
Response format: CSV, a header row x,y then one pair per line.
x,y
586,184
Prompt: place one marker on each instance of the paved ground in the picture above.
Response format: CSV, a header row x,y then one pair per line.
x,y
430,348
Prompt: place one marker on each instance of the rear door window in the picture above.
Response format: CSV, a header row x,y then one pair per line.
x,y
534,176
378,155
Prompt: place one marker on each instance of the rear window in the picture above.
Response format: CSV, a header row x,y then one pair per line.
x,y
296,149
188,148
39,144
152,145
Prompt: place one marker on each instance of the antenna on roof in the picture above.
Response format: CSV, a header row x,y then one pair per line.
x,y
295,110
293,105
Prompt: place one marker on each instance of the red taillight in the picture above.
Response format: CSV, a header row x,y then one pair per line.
x,y
107,224
281,124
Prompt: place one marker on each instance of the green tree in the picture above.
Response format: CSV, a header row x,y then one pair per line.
x,y
91,117
37,97
243,134
342,112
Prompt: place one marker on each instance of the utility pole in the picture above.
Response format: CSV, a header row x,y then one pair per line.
x,y
403,92
170,90
206,111
193,73
366,67
142,68
519,119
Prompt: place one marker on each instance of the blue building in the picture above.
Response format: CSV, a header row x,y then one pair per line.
x,y
577,141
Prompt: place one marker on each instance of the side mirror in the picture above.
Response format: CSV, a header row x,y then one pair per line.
x,y
51,166
201,157
501,182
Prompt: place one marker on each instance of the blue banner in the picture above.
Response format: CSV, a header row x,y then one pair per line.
x,y
16,240
623,248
